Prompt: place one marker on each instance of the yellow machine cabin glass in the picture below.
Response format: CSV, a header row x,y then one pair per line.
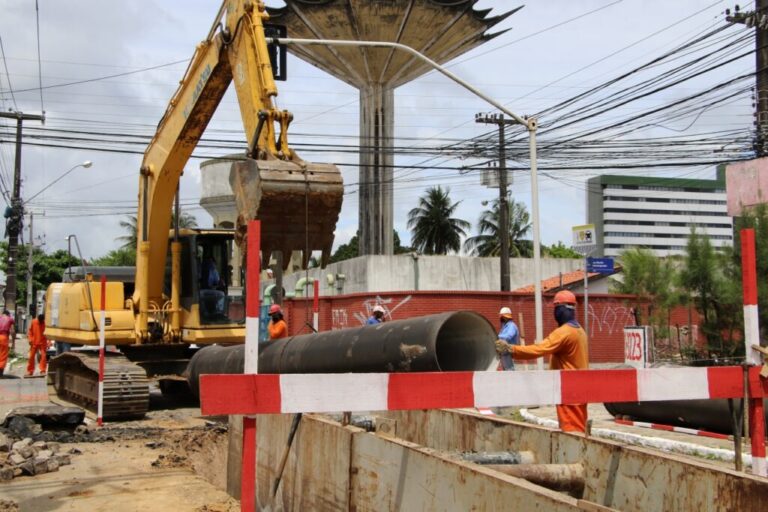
x,y
207,267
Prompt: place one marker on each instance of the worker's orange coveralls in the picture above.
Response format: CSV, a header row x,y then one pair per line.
x,y
37,343
6,324
277,330
567,346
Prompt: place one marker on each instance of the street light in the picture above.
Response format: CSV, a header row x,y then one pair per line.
x,y
30,266
85,164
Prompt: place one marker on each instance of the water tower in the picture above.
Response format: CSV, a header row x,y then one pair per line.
x,y
440,29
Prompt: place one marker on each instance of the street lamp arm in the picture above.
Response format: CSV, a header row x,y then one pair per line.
x,y
85,165
415,53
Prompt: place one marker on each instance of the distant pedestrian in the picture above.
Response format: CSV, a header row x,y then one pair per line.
x,y
377,317
6,334
277,327
37,343
508,334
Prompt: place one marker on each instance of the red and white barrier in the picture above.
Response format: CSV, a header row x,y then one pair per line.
x,y
316,306
752,337
670,428
102,343
292,393
252,309
749,286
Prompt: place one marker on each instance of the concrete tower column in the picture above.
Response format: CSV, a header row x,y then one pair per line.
x,y
377,128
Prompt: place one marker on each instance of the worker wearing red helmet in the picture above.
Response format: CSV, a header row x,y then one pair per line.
x,y
277,326
567,348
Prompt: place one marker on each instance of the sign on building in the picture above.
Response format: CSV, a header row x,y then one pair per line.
x,y
636,342
584,236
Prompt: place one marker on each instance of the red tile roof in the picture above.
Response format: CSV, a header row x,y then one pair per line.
x,y
559,281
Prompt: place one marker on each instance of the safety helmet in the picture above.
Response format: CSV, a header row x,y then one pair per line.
x,y
378,309
565,297
505,312
275,308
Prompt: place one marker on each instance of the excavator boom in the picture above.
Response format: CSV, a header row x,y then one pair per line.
x,y
297,201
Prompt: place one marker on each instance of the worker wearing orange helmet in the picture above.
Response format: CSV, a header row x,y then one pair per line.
x,y
567,348
37,343
277,326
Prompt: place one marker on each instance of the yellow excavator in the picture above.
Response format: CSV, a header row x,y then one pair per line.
x,y
187,295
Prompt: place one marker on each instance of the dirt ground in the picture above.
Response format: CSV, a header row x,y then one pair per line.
x,y
171,460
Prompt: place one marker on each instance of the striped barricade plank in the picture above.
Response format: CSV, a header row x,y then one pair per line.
x,y
291,393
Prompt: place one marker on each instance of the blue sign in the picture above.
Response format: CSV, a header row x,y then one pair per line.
x,y
601,265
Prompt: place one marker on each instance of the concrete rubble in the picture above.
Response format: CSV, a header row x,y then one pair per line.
x,y
28,457
26,449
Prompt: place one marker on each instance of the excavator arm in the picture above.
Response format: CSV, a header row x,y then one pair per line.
x,y
269,181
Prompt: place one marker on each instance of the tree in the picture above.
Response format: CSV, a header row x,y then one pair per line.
x,y
709,279
131,238
757,219
488,240
650,279
351,249
434,230
123,257
186,220
559,250
47,268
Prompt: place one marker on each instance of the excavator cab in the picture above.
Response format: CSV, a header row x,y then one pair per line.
x,y
211,281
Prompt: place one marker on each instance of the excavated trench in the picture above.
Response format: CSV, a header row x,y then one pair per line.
x,y
458,460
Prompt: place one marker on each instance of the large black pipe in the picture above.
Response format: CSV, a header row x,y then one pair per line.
x,y
453,341
711,415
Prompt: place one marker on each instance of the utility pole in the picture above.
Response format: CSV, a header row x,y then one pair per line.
x,y
30,268
758,19
498,119
15,213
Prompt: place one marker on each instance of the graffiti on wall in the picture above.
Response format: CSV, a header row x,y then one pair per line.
x,y
342,319
609,319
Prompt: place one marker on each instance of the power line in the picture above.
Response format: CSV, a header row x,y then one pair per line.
x,y
7,74
39,64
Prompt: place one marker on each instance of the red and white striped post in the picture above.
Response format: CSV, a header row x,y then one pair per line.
x,y
316,306
752,357
252,311
749,285
102,338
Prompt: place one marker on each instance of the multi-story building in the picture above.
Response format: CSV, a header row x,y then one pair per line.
x,y
656,213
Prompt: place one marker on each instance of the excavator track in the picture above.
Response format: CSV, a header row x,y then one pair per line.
x,y
75,377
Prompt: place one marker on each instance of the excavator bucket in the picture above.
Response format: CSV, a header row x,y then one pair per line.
x,y
297,202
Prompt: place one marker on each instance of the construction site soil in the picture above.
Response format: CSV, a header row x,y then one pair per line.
x,y
171,460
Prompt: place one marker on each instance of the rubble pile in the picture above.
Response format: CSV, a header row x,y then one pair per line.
x,y
28,457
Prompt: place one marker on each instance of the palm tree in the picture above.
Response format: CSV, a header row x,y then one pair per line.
x,y
488,242
433,229
130,224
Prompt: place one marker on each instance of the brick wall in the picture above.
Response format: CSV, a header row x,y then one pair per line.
x,y
608,313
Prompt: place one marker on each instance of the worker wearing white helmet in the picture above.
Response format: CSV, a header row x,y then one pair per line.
x,y
377,317
508,334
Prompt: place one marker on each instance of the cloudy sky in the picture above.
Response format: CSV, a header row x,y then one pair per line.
x,y
553,51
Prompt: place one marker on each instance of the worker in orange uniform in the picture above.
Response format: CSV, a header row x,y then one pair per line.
x,y
6,332
277,327
37,343
567,348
